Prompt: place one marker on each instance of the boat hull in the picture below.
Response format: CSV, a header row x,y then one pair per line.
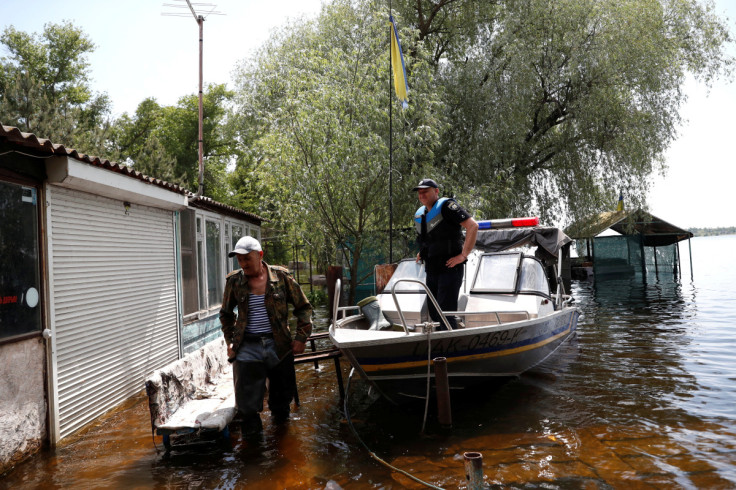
x,y
397,363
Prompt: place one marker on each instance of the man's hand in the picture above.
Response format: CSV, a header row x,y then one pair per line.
x,y
418,259
230,351
297,347
453,261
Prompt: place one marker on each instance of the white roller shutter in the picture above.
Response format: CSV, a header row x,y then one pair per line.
x,y
114,304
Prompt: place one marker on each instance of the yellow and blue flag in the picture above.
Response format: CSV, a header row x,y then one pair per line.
x,y
397,64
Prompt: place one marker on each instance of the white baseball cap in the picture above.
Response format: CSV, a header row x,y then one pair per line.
x,y
245,245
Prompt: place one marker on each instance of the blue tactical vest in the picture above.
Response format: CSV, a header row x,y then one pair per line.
x,y
442,238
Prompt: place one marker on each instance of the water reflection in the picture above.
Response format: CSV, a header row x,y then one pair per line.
x,y
637,333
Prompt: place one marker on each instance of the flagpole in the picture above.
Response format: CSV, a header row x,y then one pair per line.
x,y
390,150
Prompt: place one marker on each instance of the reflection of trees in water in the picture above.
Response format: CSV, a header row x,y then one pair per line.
x,y
633,337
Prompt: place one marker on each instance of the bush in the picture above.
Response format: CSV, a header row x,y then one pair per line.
x,y
317,297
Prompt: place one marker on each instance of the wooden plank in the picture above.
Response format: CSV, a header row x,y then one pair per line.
x,y
319,355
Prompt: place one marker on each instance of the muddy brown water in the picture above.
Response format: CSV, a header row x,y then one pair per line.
x,y
643,397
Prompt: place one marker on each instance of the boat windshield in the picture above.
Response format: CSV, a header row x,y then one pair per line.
x,y
407,269
497,273
533,278
500,273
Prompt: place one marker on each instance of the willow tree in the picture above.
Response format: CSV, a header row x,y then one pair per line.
x,y
556,106
318,94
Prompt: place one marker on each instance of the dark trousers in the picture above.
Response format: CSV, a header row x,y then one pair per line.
x,y
250,387
444,285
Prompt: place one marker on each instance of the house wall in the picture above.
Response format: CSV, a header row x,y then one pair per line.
x,y
22,400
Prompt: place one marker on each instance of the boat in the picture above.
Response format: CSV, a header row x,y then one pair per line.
x,y
511,316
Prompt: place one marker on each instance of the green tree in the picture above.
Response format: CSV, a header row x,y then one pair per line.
x,y
44,87
162,141
136,142
555,106
318,95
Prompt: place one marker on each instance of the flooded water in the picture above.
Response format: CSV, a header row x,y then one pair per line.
x,y
643,397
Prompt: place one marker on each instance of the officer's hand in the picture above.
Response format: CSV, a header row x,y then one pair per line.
x,y
453,261
297,347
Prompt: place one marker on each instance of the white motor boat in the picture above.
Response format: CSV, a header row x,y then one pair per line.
x,y
509,319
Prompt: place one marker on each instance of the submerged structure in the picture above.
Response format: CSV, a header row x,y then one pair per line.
x,y
617,243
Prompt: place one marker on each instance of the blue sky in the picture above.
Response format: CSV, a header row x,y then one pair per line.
x,y
141,53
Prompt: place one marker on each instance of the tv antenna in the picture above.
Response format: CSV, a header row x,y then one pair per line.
x,y
207,9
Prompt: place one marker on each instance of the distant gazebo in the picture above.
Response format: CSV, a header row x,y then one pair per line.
x,y
616,243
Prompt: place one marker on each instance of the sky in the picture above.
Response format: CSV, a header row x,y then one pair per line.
x,y
141,53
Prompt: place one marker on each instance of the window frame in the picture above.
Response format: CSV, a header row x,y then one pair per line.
x,y
226,224
9,177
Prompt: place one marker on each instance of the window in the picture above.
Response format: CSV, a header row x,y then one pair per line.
x,y
206,239
497,273
237,234
215,277
189,262
201,275
533,277
20,282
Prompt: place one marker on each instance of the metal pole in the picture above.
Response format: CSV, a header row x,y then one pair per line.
x,y
690,250
390,150
442,385
656,264
200,21
473,470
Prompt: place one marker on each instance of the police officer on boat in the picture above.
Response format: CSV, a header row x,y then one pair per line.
x,y
439,223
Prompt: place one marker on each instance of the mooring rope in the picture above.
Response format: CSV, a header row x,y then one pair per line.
x,y
372,454
429,375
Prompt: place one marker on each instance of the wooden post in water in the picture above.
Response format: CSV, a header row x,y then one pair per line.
x,y
442,385
473,470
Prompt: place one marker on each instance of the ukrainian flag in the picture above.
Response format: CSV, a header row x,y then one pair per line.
x,y
397,64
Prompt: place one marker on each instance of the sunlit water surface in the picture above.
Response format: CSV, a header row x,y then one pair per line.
x,y
643,397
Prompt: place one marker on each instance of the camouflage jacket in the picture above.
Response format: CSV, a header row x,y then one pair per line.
x,y
281,289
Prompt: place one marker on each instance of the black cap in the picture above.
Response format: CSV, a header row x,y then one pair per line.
x,y
426,184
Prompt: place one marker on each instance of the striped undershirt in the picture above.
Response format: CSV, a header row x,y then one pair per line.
x,y
257,315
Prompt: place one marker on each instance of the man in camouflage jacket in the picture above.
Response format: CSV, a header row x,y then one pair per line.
x,y
260,352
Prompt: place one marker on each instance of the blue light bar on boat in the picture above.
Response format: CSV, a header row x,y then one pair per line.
x,y
494,224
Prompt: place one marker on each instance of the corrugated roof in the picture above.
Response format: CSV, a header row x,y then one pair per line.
x,y
208,203
40,147
655,231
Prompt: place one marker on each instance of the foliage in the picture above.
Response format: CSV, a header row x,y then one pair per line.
x,y
162,141
317,297
319,95
557,106
44,87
